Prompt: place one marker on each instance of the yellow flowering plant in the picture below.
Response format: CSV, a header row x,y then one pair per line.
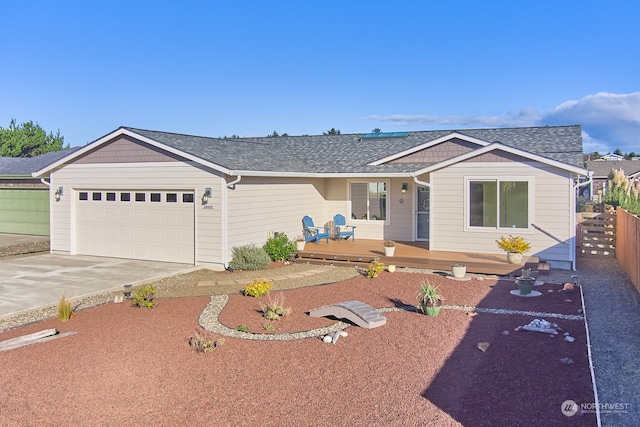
x,y
514,244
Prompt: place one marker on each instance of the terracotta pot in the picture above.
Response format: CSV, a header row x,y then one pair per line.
x,y
514,258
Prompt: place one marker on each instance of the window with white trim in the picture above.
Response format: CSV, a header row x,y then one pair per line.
x,y
369,200
498,203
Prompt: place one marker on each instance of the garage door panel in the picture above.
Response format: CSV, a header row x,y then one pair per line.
x,y
156,231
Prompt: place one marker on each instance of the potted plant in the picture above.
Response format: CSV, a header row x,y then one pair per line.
x,y
514,246
389,247
430,298
300,243
525,284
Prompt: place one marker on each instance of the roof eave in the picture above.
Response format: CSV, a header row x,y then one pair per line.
x,y
16,176
276,174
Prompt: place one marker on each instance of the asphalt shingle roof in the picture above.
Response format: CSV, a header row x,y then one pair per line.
x,y
601,168
27,165
350,153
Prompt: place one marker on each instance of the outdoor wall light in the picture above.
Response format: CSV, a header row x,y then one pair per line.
x,y
206,195
405,187
58,194
127,291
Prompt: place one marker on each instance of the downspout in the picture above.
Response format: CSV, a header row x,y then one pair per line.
x,y
48,184
232,184
225,221
417,181
573,217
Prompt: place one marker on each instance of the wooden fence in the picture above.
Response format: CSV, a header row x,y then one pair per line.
x,y
596,234
628,240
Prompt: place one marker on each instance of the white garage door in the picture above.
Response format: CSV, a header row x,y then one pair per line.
x,y
138,224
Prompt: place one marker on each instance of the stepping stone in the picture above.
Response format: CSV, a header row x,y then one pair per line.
x,y
357,312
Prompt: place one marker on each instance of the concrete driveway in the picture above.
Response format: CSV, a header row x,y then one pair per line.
x,y
36,281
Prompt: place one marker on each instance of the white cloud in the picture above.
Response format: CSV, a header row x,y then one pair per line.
x,y
526,117
602,107
591,145
608,120
611,120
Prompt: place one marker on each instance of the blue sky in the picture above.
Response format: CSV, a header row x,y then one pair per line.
x,y
217,68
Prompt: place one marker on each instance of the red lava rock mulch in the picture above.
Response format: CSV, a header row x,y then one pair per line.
x,y
128,366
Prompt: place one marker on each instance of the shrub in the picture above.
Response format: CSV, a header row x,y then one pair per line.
x,y
242,328
65,310
204,343
374,269
279,247
275,310
249,257
623,192
429,293
144,297
258,287
268,327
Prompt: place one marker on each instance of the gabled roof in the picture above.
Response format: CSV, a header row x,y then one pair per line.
x,y
610,157
496,146
348,154
27,165
601,169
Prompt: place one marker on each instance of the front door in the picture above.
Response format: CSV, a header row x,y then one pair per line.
x,y
422,213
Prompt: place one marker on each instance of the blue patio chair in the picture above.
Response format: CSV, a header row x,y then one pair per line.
x,y
313,233
343,231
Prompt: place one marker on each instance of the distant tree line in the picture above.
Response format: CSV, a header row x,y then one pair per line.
x,y
275,134
596,155
28,140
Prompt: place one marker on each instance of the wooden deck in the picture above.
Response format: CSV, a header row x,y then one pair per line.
x,y
410,254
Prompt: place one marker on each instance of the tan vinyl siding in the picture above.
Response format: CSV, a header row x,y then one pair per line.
x,y
550,209
259,206
400,222
401,214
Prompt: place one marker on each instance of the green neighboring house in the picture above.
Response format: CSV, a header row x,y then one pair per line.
x,y
24,200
